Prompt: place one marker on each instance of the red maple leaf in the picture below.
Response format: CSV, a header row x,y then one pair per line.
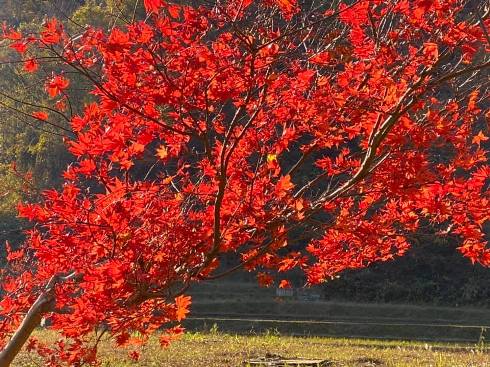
x,y
153,6
51,34
20,47
56,85
287,7
31,65
40,115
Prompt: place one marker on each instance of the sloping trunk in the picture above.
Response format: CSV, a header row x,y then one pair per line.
x,y
44,303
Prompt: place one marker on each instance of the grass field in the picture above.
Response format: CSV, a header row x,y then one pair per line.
x,y
238,307
252,323
215,349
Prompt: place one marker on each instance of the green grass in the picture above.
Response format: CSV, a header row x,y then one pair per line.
x,y
216,349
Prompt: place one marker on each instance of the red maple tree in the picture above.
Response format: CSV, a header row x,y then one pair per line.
x,y
293,136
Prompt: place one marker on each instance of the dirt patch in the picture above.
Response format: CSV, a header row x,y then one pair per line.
x,y
274,360
369,362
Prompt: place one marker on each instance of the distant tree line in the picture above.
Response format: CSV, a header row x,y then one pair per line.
x,y
37,149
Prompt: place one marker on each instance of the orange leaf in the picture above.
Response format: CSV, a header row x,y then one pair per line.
x,y
265,280
477,139
182,304
288,8
283,186
431,51
472,106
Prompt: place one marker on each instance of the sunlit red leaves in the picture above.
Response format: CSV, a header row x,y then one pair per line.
x,y
321,58
287,7
170,335
430,51
31,65
136,222
52,31
182,304
20,47
265,280
153,6
119,41
144,32
363,45
11,34
477,139
86,167
32,212
40,115
13,255
421,7
355,14
78,123
56,85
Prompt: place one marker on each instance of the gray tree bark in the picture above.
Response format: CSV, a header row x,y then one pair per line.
x,y
44,304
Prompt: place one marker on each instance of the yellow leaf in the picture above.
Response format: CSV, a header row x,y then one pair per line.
x,y
162,152
271,158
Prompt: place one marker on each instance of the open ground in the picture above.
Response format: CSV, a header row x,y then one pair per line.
x,y
232,322
216,349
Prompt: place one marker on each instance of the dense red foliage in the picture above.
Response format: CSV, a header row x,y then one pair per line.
x,y
227,128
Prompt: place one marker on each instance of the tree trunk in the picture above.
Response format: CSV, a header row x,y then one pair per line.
x,y
44,303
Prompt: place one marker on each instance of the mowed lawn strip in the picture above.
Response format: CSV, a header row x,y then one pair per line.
x,y
216,349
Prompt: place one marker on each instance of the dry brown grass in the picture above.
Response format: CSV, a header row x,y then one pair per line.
x,y
216,350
